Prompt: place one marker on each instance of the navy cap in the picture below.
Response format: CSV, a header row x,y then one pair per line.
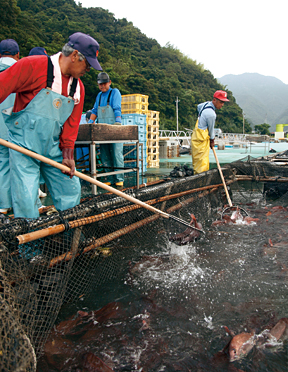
x,y
86,45
103,77
38,51
9,47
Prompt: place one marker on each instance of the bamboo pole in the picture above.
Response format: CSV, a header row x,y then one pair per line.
x,y
91,180
52,230
103,240
116,234
222,177
261,179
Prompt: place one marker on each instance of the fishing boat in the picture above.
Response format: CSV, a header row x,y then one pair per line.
x,y
60,256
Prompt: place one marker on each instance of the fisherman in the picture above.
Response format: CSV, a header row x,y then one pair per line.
x,y
203,133
9,54
107,109
38,51
45,119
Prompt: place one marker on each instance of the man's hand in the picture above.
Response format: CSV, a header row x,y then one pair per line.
x,y
68,160
211,143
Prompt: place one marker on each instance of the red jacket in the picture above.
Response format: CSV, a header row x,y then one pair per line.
x,y
26,78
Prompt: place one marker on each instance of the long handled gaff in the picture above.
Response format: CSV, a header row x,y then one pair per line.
x,y
92,180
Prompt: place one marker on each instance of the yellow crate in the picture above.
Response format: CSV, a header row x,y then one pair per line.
x,y
134,106
152,129
130,111
153,115
135,98
152,143
153,164
153,136
152,157
152,122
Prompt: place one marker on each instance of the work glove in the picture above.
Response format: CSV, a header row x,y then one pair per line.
x,y
211,143
68,160
90,121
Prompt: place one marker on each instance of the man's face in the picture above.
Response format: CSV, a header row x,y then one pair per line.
x,y
217,103
79,68
104,87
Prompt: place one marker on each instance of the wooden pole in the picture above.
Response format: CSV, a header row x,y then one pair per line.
x,y
222,177
91,180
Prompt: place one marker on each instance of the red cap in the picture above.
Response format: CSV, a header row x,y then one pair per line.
x,y
221,95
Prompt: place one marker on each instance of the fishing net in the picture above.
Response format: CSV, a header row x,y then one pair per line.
x,y
59,257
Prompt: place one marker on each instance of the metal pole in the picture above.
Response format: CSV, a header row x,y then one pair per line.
x,y
177,113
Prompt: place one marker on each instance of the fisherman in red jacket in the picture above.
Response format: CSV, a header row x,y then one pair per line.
x,y
45,119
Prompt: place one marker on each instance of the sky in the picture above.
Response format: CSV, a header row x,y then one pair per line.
x,y
226,36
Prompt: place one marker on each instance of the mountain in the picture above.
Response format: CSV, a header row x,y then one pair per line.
x,y
262,98
135,63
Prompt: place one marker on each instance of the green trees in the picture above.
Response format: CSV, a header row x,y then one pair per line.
x,y
262,129
135,63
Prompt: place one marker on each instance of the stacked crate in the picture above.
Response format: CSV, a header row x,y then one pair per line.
x,y
153,139
137,104
129,150
134,104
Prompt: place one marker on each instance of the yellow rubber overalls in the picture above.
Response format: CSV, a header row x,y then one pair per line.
x,y
200,146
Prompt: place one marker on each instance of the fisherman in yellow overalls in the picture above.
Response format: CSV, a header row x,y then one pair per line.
x,y
203,133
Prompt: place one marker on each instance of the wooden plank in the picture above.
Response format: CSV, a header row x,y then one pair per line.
x,y
107,132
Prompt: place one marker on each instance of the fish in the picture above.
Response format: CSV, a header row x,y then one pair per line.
x,y
189,235
92,363
278,332
240,345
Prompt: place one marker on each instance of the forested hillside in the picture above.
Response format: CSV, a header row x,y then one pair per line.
x,y
135,63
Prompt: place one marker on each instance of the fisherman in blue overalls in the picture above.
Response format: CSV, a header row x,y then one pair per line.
x,y
107,109
45,119
10,54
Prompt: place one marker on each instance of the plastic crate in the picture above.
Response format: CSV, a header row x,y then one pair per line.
x,y
153,164
153,151
154,129
142,137
83,119
130,111
152,122
153,115
130,152
135,98
153,136
152,143
134,106
133,119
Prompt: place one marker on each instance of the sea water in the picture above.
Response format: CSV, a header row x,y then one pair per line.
x,y
173,301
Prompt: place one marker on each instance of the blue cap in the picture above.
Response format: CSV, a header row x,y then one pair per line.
x,y
38,51
86,45
9,47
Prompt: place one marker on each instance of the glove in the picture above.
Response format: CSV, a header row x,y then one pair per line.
x,y
90,121
211,143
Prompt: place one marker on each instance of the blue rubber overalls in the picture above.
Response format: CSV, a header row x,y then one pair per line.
x,y
112,153
5,194
38,126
